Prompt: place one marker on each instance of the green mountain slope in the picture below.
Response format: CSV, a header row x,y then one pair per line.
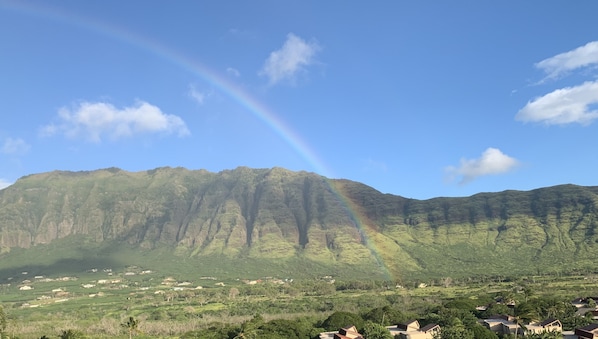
x,y
261,221
548,230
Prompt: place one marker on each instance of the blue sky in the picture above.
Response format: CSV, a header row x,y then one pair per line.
x,y
415,98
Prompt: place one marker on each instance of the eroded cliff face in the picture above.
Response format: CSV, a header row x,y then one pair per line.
x,y
546,230
271,212
276,213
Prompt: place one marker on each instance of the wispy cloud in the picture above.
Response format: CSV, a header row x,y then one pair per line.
x,y
560,64
491,162
94,121
371,165
242,33
563,106
233,71
4,183
197,95
15,146
290,60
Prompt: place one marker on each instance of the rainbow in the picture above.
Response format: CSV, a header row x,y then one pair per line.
x,y
217,81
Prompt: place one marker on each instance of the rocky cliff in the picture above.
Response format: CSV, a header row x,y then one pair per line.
x,y
280,214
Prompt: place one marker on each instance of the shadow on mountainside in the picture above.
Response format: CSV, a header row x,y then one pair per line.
x,y
60,267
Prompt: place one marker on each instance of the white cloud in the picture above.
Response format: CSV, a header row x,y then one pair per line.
x,y
196,95
96,120
491,162
293,57
563,63
233,71
563,106
15,146
4,184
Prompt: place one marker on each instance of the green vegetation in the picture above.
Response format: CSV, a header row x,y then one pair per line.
x,y
292,224
132,326
270,253
372,330
152,305
71,334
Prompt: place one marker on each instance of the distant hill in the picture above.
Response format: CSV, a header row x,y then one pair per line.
x,y
247,222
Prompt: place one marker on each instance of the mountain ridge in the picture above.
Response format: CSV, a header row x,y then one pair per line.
x,y
277,214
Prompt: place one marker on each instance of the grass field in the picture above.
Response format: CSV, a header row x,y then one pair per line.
x,y
97,300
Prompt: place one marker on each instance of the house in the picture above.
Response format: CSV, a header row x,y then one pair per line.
x,y
552,324
548,325
587,332
412,330
429,330
411,325
349,332
501,324
581,302
327,335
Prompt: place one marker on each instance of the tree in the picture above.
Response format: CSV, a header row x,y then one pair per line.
x,y
523,313
131,325
215,331
385,316
250,328
481,332
495,308
456,331
71,334
446,282
466,304
451,317
290,329
528,292
233,293
339,320
371,330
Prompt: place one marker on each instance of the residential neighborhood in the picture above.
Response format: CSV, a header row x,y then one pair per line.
x,y
502,325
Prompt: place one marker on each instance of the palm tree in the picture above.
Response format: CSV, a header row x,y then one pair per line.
x,y
523,313
131,325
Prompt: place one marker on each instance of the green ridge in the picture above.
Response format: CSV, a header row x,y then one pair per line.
x,y
274,221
